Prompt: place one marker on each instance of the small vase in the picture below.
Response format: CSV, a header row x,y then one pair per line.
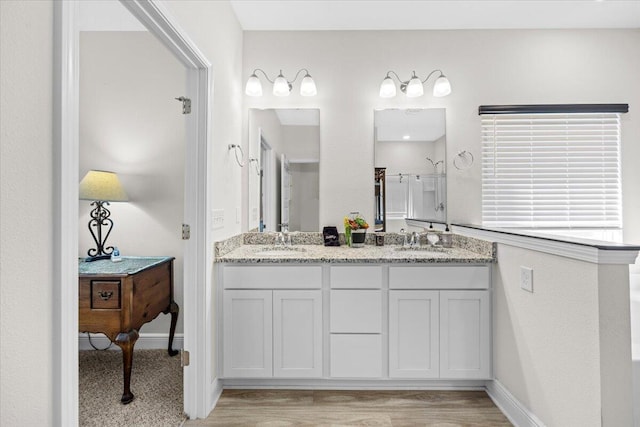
x,y
358,237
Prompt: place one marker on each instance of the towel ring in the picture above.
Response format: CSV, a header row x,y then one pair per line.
x,y
463,160
235,149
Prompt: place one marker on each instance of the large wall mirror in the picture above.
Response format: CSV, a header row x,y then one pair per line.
x,y
284,178
409,175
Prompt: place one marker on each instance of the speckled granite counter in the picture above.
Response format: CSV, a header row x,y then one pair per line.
x,y
246,249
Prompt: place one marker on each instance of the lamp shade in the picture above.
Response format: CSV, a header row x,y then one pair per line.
x,y
387,88
308,86
253,87
281,86
414,88
103,186
441,87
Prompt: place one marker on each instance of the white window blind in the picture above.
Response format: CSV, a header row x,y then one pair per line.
x,y
551,170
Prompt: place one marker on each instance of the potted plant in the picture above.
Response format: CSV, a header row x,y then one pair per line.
x,y
355,230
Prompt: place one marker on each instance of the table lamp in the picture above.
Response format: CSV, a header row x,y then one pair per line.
x,y
102,187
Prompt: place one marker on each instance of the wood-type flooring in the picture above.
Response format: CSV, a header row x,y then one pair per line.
x,y
353,408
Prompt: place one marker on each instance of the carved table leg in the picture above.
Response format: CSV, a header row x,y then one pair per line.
x,y
126,341
174,309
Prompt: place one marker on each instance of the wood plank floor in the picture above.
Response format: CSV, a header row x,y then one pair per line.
x,y
270,408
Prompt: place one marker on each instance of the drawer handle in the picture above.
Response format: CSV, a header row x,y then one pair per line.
x,y
105,295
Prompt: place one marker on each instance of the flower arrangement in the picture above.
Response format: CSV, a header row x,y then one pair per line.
x,y
355,223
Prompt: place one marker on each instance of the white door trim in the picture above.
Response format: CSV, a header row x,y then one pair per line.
x,y
196,311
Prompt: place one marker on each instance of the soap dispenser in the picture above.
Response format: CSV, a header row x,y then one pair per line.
x,y
446,237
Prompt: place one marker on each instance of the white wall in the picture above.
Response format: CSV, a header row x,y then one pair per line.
x,y
26,167
563,351
131,124
214,28
484,67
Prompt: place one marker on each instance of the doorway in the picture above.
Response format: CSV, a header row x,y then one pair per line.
x,y
199,379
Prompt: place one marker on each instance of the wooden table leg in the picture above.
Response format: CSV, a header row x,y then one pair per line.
x,y
126,341
174,309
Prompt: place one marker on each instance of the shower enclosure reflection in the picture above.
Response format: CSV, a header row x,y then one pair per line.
x,y
409,167
284,153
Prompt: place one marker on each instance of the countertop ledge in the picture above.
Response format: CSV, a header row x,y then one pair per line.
x,y
309,254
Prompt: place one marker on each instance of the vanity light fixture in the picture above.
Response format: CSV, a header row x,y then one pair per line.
x,y
414,86
281,86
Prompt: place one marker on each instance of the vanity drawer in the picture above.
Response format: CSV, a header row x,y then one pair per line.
x,y
356,277
105,294
439,277
357,311
356,356
272,277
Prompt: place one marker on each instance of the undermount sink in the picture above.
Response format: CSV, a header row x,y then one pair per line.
x,y
279,251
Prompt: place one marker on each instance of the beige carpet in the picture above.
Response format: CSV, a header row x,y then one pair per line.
x,y
156,382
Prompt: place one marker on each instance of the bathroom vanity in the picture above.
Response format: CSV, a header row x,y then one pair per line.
x,y
311,315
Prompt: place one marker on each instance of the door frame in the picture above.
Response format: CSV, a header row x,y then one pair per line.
x,y
199,379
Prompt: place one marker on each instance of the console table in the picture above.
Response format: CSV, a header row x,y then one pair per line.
x,y
117,298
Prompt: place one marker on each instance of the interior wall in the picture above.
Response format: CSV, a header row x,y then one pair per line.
x,y
484,67
131,124
26,174
214,28
546,344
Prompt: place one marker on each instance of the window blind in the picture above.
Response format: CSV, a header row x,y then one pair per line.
x,y
551,170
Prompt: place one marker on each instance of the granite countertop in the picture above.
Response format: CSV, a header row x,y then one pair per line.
x,y
344,254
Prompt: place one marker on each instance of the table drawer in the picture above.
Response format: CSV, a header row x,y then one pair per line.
x,y
105,294
458,277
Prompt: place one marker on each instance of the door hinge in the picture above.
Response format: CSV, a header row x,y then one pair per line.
x,y
186,104
186,232
184,358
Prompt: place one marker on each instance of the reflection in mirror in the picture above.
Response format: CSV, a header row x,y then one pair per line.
x,y
410,179
284,184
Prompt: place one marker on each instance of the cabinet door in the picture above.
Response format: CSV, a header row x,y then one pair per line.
x,y
465,335
247,334
297,334
413,334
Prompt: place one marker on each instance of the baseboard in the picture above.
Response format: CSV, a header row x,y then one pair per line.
x,y
350,384
216,391
511,407
148,341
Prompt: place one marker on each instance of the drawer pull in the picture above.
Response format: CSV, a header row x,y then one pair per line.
x,y
105,295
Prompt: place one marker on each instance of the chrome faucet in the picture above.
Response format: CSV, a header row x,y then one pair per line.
x,y
415,240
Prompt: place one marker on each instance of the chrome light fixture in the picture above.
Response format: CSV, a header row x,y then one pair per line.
x,y
414,87
281,86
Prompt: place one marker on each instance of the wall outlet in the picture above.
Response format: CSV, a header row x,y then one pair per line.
x,y
254,214
217,219
526,278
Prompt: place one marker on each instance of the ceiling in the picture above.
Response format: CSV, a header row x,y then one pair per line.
x,y
277,15
416,124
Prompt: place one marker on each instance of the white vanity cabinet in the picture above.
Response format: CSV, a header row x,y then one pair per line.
x,y
439,322
271,332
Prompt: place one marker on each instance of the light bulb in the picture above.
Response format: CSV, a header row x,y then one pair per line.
x,y
281,86
387,88
441,87
254,87
414,88
308,86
